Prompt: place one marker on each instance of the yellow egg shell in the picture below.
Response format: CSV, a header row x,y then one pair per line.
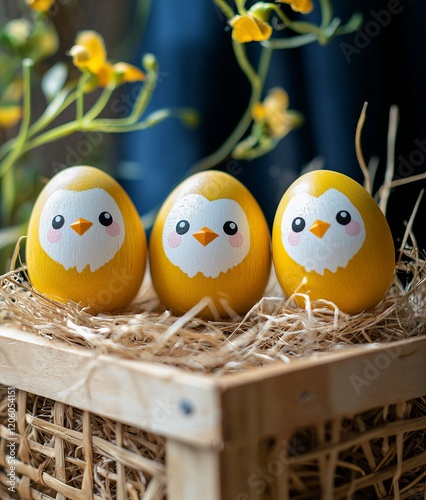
x,y
210,239
331,241
85,241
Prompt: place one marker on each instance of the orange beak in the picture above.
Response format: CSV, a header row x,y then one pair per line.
x,y
80,226
319,228
205,236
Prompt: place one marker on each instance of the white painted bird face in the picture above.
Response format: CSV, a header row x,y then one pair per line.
x,y
322,232
206,236
81,228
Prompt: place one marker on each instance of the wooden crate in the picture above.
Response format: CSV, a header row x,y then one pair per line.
x,y
237,437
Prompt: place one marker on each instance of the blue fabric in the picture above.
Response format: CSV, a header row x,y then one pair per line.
x,y
384,64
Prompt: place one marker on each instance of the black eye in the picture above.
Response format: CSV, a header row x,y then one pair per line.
x,y
182,227
343,217
298,224
105,219
230,228
58,221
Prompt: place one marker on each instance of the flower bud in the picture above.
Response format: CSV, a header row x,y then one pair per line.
x,y
18,32
261,10
149,62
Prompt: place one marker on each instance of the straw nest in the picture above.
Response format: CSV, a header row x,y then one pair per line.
x,y
275,329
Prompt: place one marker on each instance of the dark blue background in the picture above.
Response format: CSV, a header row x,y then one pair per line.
x,y
327,84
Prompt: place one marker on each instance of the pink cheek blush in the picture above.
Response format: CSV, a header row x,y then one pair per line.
x,y
54,235
236,240
174,240
353,228
113,230
294,238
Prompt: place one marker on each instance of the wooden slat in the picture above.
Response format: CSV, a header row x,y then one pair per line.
x,y
278,399
192,473
256,403
157,398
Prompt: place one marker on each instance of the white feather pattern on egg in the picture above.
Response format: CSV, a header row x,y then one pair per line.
x,y
219,255
336,247
95,247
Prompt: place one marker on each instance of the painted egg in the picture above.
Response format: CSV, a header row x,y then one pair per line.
x,y
331,241
210,239
85,241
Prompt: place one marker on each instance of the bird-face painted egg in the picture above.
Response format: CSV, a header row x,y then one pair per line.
x,y
210,239
331,241
85,241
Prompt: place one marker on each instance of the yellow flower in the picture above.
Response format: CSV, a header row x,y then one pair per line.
x,y
128,73
273,112
10,115
89,51
119,73
106,74
40,5
249,28
303,6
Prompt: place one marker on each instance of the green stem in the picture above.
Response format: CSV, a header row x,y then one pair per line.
x,y
7,195
326,13
48,116
142,100
244,63
352,25
151,120
100,104
45,119
103,125
56,133
257,82
240,7
6,148
225,8
80,95
264,63
300,27
291,42
8,198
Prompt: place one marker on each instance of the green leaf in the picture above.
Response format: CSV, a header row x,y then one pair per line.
x,y
53,80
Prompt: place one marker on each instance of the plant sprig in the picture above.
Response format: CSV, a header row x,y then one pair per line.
x,y
37,134
258,143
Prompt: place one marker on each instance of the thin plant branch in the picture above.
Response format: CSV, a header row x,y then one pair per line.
x,y
358,149
390,160
410,223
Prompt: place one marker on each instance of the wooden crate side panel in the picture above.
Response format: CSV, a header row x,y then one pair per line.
x,y
157,398
273,400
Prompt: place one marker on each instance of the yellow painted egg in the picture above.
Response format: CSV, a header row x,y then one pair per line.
x,y
85,241
331,241
210,239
